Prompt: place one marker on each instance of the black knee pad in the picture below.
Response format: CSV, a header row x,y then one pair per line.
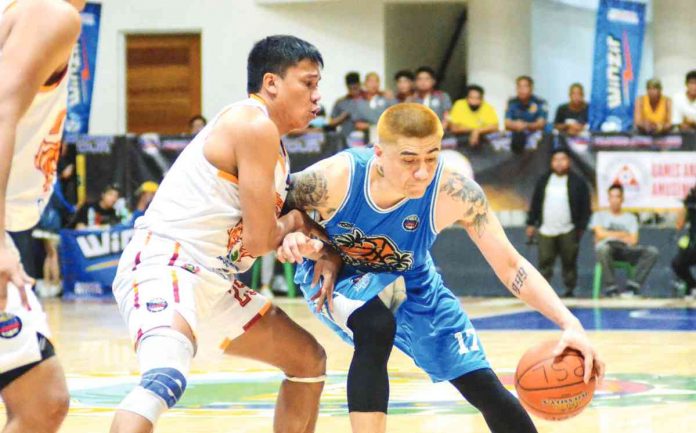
x,y
373,327
502,411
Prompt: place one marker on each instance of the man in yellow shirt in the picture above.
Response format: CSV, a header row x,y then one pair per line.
x,y
474,116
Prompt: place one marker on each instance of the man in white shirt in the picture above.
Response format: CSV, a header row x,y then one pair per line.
x,y
616,238
684,105
560,209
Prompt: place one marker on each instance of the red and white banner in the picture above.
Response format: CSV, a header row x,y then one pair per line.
x,y
651,180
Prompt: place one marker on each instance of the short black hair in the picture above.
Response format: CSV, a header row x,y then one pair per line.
x,y
427,69
111,187
404,73
474,88
616,186
560,149
691,75
275,54
526,78
352,78
198,117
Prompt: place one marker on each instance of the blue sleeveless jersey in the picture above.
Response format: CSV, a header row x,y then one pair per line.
x,y
387,241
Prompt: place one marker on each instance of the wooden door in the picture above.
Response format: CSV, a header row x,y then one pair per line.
x,y
163,82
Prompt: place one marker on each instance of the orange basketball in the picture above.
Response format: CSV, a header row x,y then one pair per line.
x,y
552,387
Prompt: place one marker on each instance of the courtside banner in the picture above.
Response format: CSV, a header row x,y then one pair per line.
x,y
89,259
617,53
651,180
82,68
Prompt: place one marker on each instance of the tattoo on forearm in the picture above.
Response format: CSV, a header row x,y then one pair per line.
x,y
307,190
462,188
519,280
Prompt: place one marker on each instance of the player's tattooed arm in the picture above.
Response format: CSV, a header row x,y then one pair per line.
x,y
463,189
308,190
518,281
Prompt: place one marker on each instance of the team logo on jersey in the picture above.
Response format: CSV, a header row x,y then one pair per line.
x,y
361,282
235,249
46,159
411,223
377,253
10,325
191,268
156,305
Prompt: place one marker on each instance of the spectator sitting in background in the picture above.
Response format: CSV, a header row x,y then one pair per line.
x,y
684,105
143,197
376,101
616,238
101,213
561,209
426,94
653,111
474,116
686,256
571,118
525,115
345,113
196,123
404,85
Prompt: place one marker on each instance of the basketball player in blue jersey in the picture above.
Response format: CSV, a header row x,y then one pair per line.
x,y
382,209
36,39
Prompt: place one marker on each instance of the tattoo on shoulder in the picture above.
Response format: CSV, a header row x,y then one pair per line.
x,y
308,190
462,188
519,280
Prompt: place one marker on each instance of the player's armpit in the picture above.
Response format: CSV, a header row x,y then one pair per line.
x,y
462,200
321,187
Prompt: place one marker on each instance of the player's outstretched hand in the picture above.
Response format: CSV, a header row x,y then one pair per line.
x,y
326,271
576,338
296,246
11,270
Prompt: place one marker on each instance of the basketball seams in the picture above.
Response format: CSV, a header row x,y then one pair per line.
x,y
541,361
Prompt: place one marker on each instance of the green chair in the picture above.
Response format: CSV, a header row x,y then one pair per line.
x,y
288,269
597,286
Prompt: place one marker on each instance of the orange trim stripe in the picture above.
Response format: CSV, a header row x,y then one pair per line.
x,y
175,286
175,254
227,176
137,256
225,343
136,297
258,316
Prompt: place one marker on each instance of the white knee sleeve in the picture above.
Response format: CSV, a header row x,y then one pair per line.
x,y
165,357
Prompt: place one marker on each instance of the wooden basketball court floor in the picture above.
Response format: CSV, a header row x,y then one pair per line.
x,y
650,385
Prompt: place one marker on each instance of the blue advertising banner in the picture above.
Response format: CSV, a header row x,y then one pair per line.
x,y
82,68
617,53
89,259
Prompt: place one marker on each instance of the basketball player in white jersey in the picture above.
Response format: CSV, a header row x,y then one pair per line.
x,y
217,209
36,38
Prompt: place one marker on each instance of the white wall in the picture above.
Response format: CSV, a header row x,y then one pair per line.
x,y
563,49
418,35
350,35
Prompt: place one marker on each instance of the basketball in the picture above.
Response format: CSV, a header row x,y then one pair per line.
x,y
552,387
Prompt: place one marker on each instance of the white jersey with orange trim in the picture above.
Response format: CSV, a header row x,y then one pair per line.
x,y
198,205
36,151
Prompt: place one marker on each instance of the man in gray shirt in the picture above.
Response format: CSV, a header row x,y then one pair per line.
x,y
347,112
616,238
438,101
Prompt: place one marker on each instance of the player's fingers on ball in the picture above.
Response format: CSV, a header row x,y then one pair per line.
x,y
589,363
560,347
